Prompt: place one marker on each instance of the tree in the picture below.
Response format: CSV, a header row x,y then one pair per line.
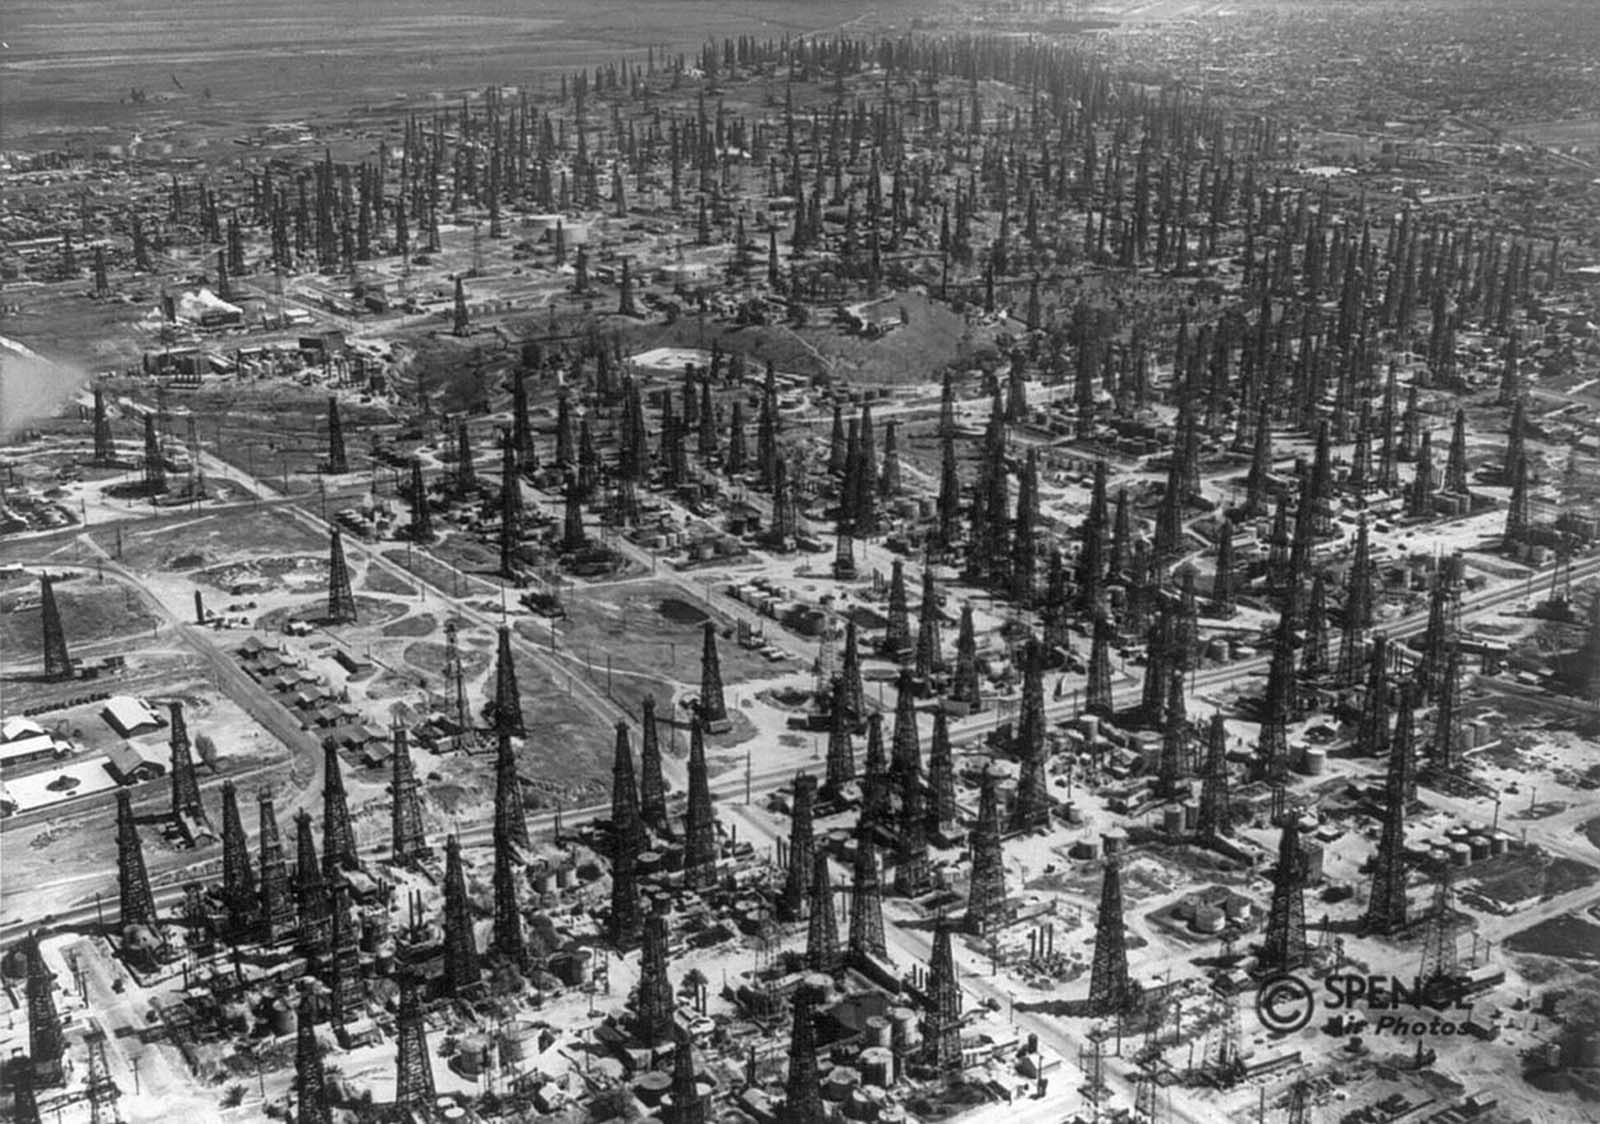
x,y
207,749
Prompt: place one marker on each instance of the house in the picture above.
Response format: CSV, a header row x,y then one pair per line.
x,y
17,727
130,717
132,763
16,752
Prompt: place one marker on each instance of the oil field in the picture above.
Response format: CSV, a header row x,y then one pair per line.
x,y
1027,562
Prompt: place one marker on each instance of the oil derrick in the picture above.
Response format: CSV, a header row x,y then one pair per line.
x,y
889,483
838,454
185,785
1517,512
507,940
310,1086
864,502
1055,616
941,1028
802,851
713,709
949,502
155,466
344,966
1158,668
905,749
338,837
850,672
844,551
1443,624
1272,749
507,695
912,872
653,1012
941,778
105,451
1091,559
1031,808
460,946
866,939
841,753
1223,587
802,1099
1185,649
337,462
57,661
1097,692
521,428
421,516
510,510
46,1044
1024,545
409,843
1388,450
986,895
1299,552
822,927
652,788
138,907
277,906
510,817
876,803
1455,462
1386,908
24,1102
238,876
1299,1108
1169,513
1215,818
627,828
688,1104
1318,495
1314,653
897,637
1285,947
1224,1062
1403,750
1111,992
1357,608
699,828
1440,954
1419,499
1172,778
1445,753
466,473
413,1078
1372,735
965,688
1279,575
310,894
341,601
1516,441
461,324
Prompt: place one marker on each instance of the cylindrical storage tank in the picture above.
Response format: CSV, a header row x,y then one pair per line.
x,y
652,1086
1089,848
1316,761
649,862
444,1101
1236,909
1480,847
1207,919
454,1112
891,1114
469,1058
1090,725
1217,651
1074,815
1499,843
879,1033
281,1017
1114,842
1191,815
837,1085
1172,821
1457,834
543,882
1460,854
907,1031
564,877
860,1106
877,1064
1183,909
